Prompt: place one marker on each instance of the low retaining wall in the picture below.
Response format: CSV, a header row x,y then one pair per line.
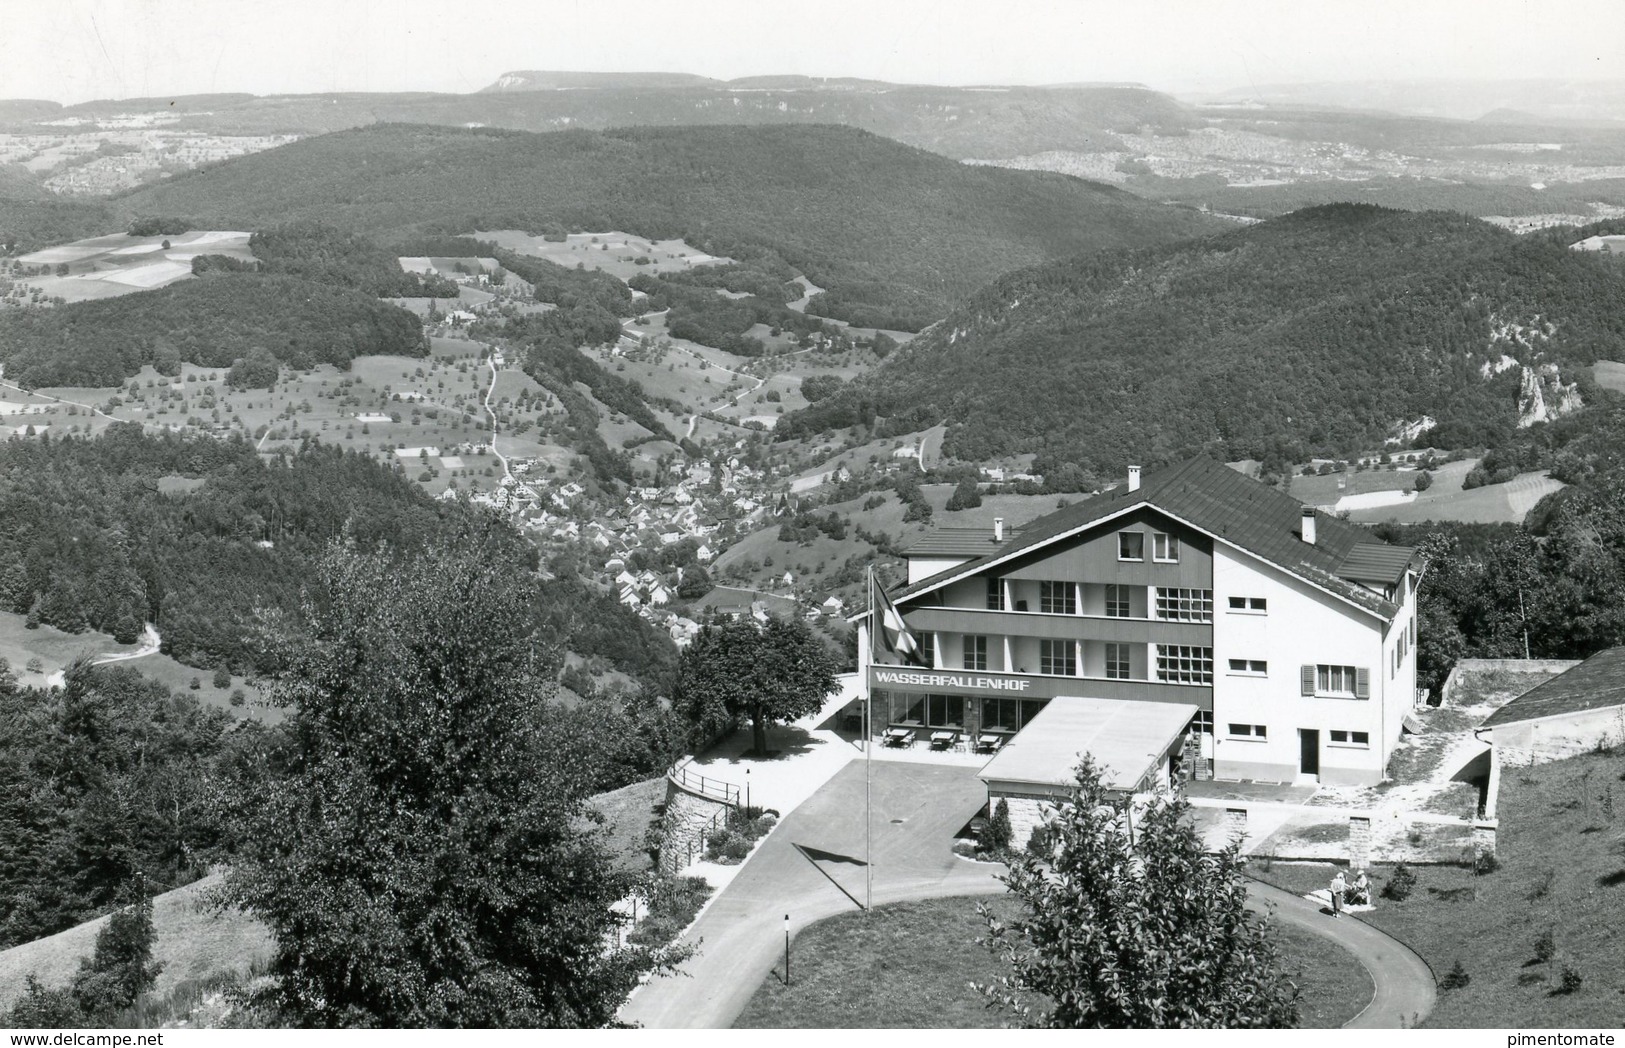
x,y
1462,667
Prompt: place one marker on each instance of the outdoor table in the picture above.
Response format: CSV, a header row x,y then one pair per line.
x,y
897,736
989,742
943,739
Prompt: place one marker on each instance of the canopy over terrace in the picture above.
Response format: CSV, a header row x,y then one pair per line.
x,y
1130,742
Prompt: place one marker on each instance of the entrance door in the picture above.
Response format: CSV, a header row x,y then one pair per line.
x,y
1309,751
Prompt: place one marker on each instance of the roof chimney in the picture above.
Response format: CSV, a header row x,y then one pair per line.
x,y
1134,478
1309,525
998,529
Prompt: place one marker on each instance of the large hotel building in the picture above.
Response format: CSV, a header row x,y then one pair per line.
x,y
1196,624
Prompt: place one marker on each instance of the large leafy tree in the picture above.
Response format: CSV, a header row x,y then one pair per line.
x,y
421,852
1135,929
767,673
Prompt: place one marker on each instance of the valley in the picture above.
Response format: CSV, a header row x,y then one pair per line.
x,y
461,461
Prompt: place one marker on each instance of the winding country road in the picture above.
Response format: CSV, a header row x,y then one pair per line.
x,y
148,645
811,867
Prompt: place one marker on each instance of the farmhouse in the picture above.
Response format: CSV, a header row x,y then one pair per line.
x,y
1196,624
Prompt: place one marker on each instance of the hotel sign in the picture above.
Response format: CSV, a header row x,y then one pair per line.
x,y
956,681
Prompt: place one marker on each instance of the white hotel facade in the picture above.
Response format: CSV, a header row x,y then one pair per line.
x,y
1199,624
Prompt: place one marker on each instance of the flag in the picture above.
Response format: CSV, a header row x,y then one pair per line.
x,y
893,632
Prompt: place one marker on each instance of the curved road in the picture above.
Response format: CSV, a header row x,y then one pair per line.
x,y
811,867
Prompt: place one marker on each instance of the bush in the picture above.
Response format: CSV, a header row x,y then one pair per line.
x,y
1571,980
999,830
1400,884
1545,947
35,665
1038,845
736,850
1485,862
1424,480
237,697
1456,978
222,678
196,683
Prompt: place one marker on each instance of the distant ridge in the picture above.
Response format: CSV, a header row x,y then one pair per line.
x,y
893,234
558,80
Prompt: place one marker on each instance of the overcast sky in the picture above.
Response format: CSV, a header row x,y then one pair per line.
x,y
74,50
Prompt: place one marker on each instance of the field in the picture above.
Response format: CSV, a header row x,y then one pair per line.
x,y
192,942
380,406
1445,500
1562,869
614,252
56,649
1609,374
909,966
117,264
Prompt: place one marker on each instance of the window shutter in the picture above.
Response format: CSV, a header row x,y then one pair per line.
x,y
1362,683
1308,680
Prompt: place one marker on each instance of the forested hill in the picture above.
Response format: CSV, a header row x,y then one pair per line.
x,y
212,321
90,540
894,233
1314,332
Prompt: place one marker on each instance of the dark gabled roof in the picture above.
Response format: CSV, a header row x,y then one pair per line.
x,y
1376,562
1597,683
957,542
1227,505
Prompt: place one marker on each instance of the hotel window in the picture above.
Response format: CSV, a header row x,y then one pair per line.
x,y
1058,598
928,647
1164,547
975,653
1202,723
1249,731
945,711
1250,667
1058,658
1185,605
1117,601
1130,545
907,709
1117,661
1351,738
1009,714
1254,604
995,594
1347,682
1182,664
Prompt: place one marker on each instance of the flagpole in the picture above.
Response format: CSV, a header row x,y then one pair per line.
x,y
868,758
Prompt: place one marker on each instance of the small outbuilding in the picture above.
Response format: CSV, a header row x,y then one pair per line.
x,y
1134,744
1575,712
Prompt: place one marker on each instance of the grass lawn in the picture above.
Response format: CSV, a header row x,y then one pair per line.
x,y
193,941
910,966
1562,869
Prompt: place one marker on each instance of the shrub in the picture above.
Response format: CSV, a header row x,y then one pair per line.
x,y
1456,978
196,683
736,850
1545,946
1038,845
222,678
999,830
1570,980
1485,862
35,665
1400,884
237,697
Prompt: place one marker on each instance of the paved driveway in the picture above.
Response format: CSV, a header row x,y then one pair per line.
x,y
811,867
